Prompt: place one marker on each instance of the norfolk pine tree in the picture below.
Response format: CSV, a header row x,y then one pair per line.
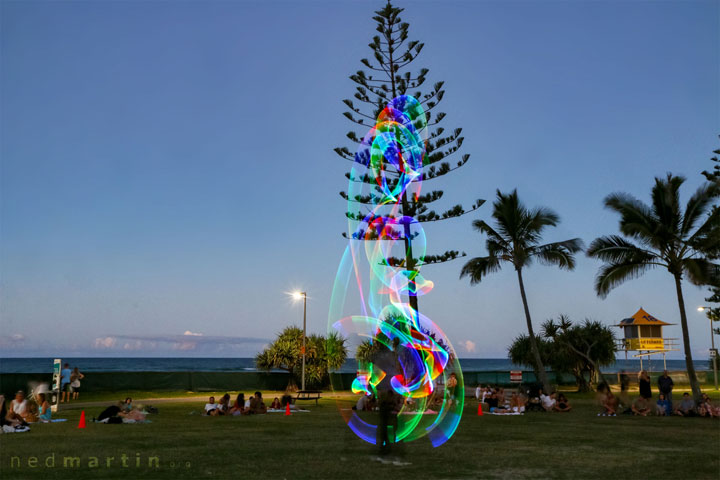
x,y
388,75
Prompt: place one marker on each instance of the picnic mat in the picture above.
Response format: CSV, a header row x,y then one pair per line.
x,y
282,410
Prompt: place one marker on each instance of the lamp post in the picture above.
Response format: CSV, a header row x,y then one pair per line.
x,y
713,352
298,296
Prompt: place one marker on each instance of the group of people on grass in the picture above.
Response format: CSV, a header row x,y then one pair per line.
x,y
23,411
254,405
642,406
518,402
122,412
70,383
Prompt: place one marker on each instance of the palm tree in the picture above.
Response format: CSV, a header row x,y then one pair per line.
x,y
661,235
515,240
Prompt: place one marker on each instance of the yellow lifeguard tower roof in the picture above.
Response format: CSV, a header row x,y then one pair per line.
x,y
641,318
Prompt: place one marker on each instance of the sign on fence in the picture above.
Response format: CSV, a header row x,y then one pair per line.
x,y
515,376
57,368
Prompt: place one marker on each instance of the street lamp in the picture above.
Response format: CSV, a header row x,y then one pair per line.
x,y
303,296
713,352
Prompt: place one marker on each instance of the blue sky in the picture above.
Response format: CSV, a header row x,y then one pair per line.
x,y
167,167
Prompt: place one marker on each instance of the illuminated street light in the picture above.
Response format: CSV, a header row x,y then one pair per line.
x,y
303,296
713,351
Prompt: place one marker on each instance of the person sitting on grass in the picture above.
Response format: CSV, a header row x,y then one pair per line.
x,y
706,408
640,407
134,415
492,402
501,397
548,401
211,407
257,406
276,405
363,403
19,411
127,405
11,423
663,408
239,406
287,398
44,414
686,408
562,404
224,405
518,403
609,404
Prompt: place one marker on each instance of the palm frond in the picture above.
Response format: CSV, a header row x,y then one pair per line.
x,y
706,238
482,227
637,220
479,267
561,254
697,205
701,271
611,275
615,249
665,197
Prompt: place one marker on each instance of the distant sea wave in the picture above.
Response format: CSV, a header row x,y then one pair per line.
x,y
87,364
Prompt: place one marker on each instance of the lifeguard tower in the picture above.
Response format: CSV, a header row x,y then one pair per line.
x,y
642,333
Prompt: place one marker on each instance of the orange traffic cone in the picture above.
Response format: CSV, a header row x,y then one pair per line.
x,y
480,412
81,424
287,409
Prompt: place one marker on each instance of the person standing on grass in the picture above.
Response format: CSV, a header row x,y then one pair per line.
x,y
665,385
644,384
624,397
451,386
624,381
75,378
65,381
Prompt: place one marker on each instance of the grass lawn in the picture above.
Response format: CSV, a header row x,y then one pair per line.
x,y
320,445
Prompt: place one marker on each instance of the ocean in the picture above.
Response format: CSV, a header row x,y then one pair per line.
x,y
186,364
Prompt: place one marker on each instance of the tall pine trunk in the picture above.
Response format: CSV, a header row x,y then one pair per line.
x,y
686,341
409,261
539,367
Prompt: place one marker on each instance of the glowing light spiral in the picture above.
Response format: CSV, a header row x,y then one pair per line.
x,y
414,358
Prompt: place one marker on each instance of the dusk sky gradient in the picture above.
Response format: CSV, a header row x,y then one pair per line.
x,y
167,167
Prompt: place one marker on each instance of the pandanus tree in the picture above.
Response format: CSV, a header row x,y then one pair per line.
x,y
390,73
591,342
515,240
321,355
662,235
